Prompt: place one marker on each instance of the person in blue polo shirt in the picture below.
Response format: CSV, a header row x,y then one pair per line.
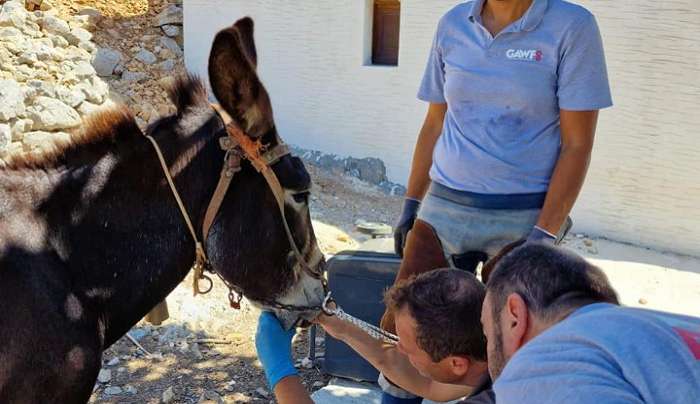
x,y
514,88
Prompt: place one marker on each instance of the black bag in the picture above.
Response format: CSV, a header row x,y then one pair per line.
x,y
358,280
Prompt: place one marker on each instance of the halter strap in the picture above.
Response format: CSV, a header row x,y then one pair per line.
x,y
232,165
201,259
262,163
237,147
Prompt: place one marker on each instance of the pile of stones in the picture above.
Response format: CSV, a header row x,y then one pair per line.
x,y
47,80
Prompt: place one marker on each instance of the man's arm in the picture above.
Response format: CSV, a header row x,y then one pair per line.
x,y
577,133
388,360
419,179
290,391
274,347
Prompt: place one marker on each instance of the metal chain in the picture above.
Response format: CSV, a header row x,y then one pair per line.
x,y
288,307
371,330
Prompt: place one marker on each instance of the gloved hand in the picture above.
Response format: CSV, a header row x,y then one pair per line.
x,y
274,346
405,223
540,235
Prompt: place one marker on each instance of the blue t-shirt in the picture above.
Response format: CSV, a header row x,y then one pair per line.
x,y
501,132
606,354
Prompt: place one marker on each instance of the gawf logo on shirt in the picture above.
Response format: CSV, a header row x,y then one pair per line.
x,y
532,55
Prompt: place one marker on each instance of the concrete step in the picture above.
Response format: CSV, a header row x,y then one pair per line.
x,y
343,391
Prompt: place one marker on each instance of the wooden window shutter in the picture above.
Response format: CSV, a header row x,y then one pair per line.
x,y
385,32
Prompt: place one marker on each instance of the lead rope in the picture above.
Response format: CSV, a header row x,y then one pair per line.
x,y
371,330
201,261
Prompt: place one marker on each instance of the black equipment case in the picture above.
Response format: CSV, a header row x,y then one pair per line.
x,y
358,280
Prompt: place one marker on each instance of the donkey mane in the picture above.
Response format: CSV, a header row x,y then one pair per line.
x,y
188,92
102,130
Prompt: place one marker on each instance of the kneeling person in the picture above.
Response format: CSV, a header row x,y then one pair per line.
x,y
442,350
556,334
441,354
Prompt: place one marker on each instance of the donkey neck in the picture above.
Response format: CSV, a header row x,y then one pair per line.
x,y
140,245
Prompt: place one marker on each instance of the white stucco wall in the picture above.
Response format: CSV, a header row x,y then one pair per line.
x,y
644,185
641,187
312,60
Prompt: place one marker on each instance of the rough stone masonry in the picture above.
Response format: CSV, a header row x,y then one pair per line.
x,y
47,80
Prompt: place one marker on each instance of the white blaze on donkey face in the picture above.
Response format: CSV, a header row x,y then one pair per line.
x,y
307,291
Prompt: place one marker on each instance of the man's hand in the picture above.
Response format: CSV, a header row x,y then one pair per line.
x,y
274,346
405,223
332,325
538,234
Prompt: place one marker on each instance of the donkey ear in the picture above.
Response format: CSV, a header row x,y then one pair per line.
x,y
235,83
245,29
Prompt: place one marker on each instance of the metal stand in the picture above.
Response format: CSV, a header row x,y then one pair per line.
x,y
312,343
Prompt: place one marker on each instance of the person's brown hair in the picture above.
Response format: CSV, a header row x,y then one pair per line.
x,y
446,305
551,280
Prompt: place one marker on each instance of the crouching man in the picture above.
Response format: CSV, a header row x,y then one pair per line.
x,y
442,350
557,335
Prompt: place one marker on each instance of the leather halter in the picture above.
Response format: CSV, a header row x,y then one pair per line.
x,y
237,146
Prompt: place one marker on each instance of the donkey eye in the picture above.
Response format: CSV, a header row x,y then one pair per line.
x,y
301,197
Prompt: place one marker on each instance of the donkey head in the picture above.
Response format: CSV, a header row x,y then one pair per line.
x,y
247,243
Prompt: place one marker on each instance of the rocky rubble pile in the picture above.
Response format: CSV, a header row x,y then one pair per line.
x,y
140,56
57,67
47,81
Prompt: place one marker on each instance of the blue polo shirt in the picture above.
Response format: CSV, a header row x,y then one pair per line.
x,y
501,133
605,354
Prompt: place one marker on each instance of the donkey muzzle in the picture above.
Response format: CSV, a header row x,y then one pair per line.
x,y
303,300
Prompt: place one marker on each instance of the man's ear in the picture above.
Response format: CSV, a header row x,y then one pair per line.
x,y
234,81
460,365
515,320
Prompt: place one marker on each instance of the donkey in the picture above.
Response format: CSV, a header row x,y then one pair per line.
x,y
91,237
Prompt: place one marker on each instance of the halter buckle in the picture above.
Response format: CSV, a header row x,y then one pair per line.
x,y
210,286
200,264
325,307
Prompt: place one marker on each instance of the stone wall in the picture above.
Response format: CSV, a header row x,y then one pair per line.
x,y
47,81
58,66
369,169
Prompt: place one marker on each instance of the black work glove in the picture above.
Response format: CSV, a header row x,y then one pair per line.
x,y
540,235
405,223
